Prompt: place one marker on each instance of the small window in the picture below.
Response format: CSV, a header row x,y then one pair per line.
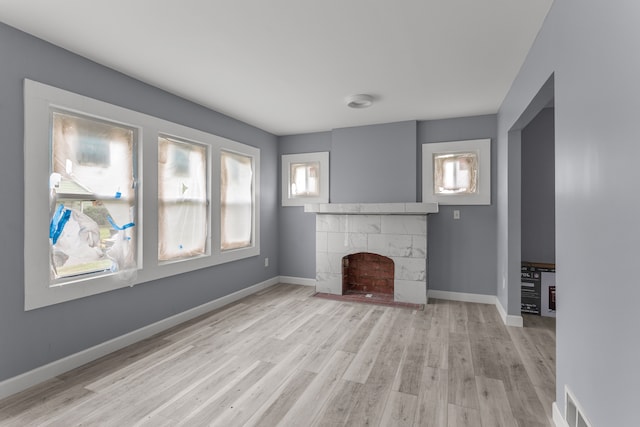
x,y
92,196
182,199
305,178
457,173
236,200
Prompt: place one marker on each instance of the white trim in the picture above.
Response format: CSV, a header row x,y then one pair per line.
x,y
558,419
509,320
23,381
461,296
372,208
297,281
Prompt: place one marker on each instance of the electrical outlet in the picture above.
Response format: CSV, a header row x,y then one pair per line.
x,y
266,262
456,214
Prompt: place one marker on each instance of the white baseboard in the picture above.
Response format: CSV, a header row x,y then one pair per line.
x,y
558,419
297,280
509,320
461,296
23,381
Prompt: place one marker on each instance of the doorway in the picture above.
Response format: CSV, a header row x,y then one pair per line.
x,y
531,188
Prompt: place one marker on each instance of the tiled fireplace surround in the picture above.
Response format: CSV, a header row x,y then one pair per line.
x,y
395,230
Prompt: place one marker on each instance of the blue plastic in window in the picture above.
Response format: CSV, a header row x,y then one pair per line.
x,y
114,225
59,220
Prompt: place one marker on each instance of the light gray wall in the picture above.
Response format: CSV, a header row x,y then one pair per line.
x,y
298,229
373,164
462,253
538,189
35,338
590,46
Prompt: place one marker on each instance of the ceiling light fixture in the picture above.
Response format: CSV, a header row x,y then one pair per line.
x,y
361,100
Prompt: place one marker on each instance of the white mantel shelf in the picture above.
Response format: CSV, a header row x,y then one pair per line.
x,y
372,208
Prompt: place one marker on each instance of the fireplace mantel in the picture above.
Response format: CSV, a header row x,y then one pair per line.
x,y
372,208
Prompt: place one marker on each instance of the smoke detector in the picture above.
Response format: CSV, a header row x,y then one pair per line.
x,y
361,100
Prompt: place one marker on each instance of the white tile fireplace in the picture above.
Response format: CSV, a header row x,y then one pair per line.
x,y
394,230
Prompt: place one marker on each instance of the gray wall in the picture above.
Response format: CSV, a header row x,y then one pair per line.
x,y
462,253
538,189
35,338
298,229
373,164
590,46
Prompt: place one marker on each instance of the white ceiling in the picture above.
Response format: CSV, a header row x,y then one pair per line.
x,y
287,65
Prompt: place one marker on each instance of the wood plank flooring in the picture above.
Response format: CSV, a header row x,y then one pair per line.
x,y
282,357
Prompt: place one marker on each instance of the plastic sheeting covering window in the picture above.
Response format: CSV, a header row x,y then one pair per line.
x,y
455,173
182,199
304,179
236,200
92,196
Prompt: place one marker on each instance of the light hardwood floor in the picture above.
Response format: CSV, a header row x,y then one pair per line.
x,y
282,357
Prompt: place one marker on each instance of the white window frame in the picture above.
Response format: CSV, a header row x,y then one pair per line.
x,y
287,159
481,148
39,99
207,251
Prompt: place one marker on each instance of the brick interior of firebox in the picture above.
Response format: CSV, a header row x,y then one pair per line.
x,y
367,273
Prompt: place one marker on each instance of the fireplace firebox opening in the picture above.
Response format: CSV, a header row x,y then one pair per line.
x,y
367,273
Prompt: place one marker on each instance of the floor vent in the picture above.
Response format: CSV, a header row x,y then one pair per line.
x,y
573,413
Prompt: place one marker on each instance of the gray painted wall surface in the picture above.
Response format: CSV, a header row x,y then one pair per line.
x,y
373,164
35,338
298,229
462,253
538,189
596,137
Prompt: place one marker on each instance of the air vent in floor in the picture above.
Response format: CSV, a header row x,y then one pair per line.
x,y
573,412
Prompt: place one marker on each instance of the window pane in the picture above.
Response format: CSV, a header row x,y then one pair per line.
x,y
455,173
236,200
93,196
305,179
182,199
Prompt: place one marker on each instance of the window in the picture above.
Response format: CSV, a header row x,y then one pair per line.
x,y
457,173
305,178
182,199
124,198
92,196
236,200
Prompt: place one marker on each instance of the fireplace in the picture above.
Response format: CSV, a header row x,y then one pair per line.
x,y
397,231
